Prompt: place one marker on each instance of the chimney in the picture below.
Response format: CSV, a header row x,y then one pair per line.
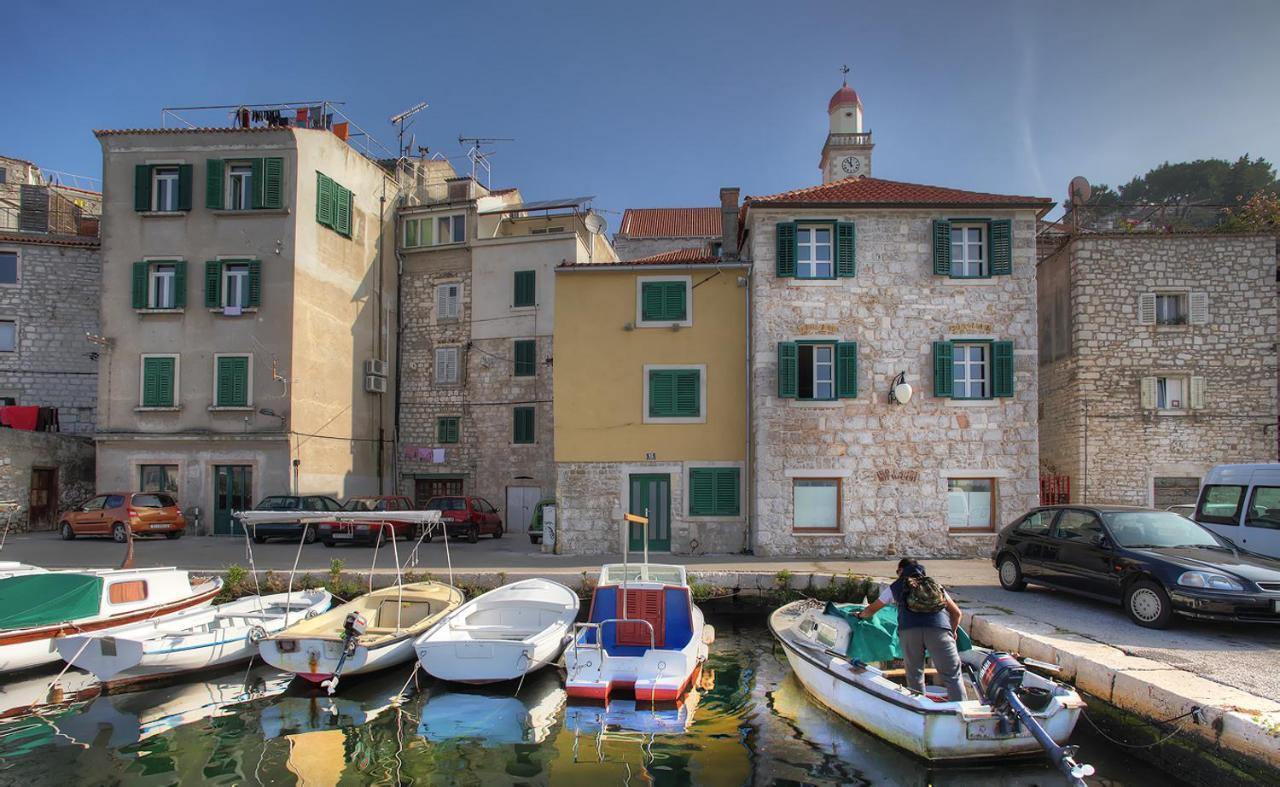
x,y
729,222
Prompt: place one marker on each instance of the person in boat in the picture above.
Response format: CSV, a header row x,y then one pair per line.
x,y
920,631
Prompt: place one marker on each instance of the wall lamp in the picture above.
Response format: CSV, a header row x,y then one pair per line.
x,y
900,390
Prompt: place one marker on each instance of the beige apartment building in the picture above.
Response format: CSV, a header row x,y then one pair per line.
x,y
248,308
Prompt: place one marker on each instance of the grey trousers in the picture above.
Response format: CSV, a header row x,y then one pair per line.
x,y
942,649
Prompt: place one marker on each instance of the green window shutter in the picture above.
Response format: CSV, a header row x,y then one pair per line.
x,y
258,179
233,382
142,188
255,283
157,382
847,370
785,253
702,492
525,288
727,492
214,170
1002,369
526,351
941,247
1000,242
688,402
179,284
140,270
273,183
447,430
213,284
342,210
651,301
523,425
324,200
942,370
663,301
662,394
673,302
186,173
846,250
788,367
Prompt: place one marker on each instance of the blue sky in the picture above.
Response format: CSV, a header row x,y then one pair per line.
x,y
660,103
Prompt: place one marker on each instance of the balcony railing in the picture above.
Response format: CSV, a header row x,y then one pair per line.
x,y
850,139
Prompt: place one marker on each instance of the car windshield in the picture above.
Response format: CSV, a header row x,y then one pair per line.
x,y
278,503
447,504
1158,529
365,504
153,501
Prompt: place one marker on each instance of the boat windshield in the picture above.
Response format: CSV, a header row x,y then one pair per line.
x,y
615,573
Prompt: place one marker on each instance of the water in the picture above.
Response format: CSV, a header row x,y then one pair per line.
x,y
750,723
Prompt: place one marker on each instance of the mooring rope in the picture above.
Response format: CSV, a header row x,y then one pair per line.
x,y
1182,722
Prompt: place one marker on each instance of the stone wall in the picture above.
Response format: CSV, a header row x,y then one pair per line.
x,y
635,248
55,304
21,451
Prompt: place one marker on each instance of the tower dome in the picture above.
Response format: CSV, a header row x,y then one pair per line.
x,y
845,95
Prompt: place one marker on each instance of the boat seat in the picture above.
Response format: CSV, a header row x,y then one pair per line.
x,y
391,612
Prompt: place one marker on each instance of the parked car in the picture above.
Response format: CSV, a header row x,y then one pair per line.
x,y
291,530
535,525
1157,564
334,533
466,516
144,513
1184,509
1242,503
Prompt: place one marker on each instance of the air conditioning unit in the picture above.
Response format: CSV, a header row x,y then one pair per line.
x,y
375,384
375,367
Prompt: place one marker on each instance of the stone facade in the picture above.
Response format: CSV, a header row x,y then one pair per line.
x,y
1095,352
70,457
635,248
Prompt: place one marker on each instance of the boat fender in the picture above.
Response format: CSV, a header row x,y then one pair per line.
x,y
256,633
311,613
708,634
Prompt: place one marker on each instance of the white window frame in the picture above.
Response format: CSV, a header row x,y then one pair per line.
x,y
441,316
438,363
17,335
966,266
239,264
812,245
810,530
245,187
1183,301
449,221
1164,401
17,266
248,383
968,366
169,175
177,379
992,510
687,322
154,284
701,418
418,222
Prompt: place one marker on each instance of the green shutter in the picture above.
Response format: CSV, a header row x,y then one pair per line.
x,y
941,247
651,303
324,200
846,250
847,370
662,394
447,430
257,181
213,284
702,493
233,382
525,289
140,270
675,393
785,253
942,369
255,283
526,351
273,183
214,170
523,425
142,188
342,210
663,301
1000,241
788,367
1002,371
157,382
688,393
185,176
179,284
727,492
674,303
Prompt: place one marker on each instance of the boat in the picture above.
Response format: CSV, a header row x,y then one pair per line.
x,y
815,639
189,640
501,635
13,568
36,608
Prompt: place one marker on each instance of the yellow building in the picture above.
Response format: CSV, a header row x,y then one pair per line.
x,y
650,402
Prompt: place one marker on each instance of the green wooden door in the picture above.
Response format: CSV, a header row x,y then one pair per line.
x,y
651,497
232,491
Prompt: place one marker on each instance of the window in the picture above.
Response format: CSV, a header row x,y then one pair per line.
x,y
972,248
448,297
8,267
969,371
235,285
231,381
447,430
970,503
451,229
158,478
525,293
161,290
973,369
159,383
417,232
245,184
127,592
8,336
664,301
164,188
239,186
817,503
807,250
816,374
1078,526
1170,393
813,253
522,427
153,501
713,491
1171,309
333,205
526,358
159,284
968,251
1220,505
820,371
1036,523
673,393
1264,508
231,285
446,365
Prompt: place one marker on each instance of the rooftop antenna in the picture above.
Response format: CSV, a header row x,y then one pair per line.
x,y
479,157
398,120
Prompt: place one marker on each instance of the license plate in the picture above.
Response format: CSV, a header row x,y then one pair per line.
x,y
160,526
342,535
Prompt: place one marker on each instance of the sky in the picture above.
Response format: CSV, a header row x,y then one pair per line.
x,y
658,103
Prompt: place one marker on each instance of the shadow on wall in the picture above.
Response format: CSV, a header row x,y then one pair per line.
x,y
42,474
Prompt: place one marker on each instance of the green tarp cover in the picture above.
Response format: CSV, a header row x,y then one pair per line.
x,y
877,639
44,599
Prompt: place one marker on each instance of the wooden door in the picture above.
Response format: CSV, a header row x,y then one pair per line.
x,y
42,500
426,488
651,497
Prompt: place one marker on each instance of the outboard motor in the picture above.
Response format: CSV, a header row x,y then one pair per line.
x,y
352,627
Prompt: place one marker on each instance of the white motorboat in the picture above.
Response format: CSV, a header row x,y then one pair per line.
x,y
189,640
927,725
501,635
38,607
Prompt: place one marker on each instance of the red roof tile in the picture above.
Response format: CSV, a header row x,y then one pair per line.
x,y
874,192
692,256
845,95
670,223
86,241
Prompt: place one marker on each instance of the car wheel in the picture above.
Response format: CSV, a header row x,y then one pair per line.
x,y
68,534
498,533
473,534
1011,573
174,536
309,536
259,539
118,533
1148,605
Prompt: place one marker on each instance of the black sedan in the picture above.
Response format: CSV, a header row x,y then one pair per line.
x,y
1155,563
291,530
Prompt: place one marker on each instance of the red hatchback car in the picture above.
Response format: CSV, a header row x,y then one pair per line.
x,y
334,533
466,516
144,513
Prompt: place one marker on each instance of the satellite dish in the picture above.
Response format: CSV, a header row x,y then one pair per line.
x,y
1079,191
595,223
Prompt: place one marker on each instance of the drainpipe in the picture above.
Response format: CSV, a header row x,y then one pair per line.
x,y
751,438
395,437
379,327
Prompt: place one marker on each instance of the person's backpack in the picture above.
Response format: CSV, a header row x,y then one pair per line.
x,y
924,595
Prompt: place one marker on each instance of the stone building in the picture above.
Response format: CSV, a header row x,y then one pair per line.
x,y
475,409
645,232
857,286
1157,361
248,299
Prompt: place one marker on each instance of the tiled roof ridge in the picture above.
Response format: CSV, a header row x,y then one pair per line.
x,y
955,195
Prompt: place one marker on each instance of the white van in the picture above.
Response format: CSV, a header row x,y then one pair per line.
x,y
1242,502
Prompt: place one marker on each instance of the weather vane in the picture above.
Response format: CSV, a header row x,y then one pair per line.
x,y
844,70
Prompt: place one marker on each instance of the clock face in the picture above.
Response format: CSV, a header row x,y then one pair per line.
x,y
851,165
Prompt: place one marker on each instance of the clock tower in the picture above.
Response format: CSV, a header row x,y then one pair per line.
x,y
847,152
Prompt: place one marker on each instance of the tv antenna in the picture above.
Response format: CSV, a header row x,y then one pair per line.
x,y
398,120
479,156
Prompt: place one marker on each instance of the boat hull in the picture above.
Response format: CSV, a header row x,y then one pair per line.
x,y
317,659
655,675
481,662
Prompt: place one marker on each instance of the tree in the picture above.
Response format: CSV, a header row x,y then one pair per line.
x,y
1260,213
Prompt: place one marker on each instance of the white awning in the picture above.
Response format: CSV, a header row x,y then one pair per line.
x,y
301,517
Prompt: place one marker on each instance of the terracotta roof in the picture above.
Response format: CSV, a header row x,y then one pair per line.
x,y
670,223
845,95
874,192
49,240
106,132
691,256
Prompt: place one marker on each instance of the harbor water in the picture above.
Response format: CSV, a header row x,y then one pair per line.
x,y
748,722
